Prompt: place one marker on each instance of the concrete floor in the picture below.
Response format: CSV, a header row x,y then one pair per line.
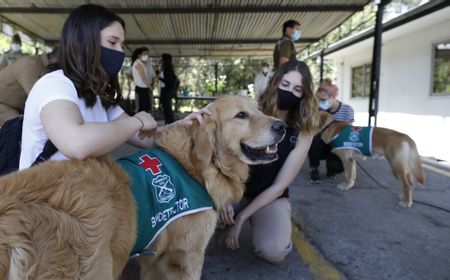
x,y
357,234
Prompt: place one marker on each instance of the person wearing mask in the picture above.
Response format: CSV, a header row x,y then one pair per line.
x,y
76,107
16,81
168,83
11,56
328,102
141,79
261,80
265,204
285,49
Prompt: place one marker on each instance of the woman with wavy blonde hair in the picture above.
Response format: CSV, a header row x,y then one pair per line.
x,y
289,97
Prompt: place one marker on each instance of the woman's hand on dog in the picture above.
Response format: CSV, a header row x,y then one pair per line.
x,y
226,215
232,241
199,116
148,124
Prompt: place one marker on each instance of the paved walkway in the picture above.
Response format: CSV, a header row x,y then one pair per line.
x,y
357,234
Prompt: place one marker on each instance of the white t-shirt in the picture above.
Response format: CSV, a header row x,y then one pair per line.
x,y
138,80
54,86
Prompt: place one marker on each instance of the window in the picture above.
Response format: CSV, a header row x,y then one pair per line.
x,y
441,69
361,81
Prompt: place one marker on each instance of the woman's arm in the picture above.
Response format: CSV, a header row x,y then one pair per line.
x,y
65,127
287,174
144,139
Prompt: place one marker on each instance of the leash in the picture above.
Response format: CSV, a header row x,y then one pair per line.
x,y
389,190
326,127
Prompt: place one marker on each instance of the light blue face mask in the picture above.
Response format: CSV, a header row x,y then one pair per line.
x,y
297,34
325,104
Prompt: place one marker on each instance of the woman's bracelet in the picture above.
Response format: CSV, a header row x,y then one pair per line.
x,y
142,123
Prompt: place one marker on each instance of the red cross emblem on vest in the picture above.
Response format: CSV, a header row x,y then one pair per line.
x,y
150,163
356,128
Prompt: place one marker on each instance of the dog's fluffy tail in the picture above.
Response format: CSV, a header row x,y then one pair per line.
x,y
18,258
415,163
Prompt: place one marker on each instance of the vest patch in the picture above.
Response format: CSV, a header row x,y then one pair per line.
x,y
354,137
163,192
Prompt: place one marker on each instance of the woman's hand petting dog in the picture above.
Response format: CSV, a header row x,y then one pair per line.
x,y
188,120
232,241
226,215
150,125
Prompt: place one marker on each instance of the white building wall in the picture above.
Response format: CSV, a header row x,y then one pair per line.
x,y
405,103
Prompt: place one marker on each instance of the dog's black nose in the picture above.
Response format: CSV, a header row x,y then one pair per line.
x,y
279,127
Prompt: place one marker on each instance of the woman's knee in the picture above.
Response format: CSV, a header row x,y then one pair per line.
x,y
273,252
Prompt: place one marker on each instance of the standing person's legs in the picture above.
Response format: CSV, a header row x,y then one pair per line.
x,y
144,99
166,102
271,229
151,98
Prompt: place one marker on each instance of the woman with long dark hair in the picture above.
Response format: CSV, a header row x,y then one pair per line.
x,y
168,85
289,97
76,107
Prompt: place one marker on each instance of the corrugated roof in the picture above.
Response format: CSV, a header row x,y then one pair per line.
x,y
204,28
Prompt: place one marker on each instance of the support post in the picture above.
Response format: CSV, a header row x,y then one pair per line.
x,y
321,66
376,62
216,75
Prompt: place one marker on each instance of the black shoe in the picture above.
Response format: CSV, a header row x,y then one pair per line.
x,y
314,175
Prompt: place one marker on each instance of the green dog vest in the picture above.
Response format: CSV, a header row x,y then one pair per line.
x,y
354,137
163,192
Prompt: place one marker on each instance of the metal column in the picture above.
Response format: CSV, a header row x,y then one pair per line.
x,y
376,61
216,74
321,66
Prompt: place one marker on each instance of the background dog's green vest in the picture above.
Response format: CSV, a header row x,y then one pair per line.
x,y
163,192
354,137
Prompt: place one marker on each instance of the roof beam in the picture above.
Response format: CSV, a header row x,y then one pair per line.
x,y
204,41
212,9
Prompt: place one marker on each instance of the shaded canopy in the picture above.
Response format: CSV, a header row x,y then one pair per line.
x,y
193,28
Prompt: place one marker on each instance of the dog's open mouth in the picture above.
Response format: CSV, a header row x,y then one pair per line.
x,y
260,154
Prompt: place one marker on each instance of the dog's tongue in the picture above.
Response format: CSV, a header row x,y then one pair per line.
x,y
272,149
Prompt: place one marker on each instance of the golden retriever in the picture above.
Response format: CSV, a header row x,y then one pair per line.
x,y
399,150
77,219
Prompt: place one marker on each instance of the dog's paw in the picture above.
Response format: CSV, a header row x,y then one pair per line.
x,y
405,204
343,186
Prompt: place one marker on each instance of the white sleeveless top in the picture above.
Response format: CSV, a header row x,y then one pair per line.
x,y
138,81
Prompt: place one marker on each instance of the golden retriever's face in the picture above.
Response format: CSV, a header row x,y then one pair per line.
x,y
245,131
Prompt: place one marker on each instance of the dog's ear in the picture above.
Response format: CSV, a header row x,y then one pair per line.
x,y
204,141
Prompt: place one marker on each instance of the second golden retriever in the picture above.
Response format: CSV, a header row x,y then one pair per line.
x,y
77,219
399,150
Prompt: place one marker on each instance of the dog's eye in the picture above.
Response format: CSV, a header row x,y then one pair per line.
x,y
241,115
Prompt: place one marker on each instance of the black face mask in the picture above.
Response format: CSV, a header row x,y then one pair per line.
x,y
287,100
112,61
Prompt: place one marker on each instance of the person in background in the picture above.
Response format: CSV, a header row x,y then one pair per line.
x,y
285,49
261,80
77,106
11,56
168,87
141,79
289,97
328,102
152,77
16,81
